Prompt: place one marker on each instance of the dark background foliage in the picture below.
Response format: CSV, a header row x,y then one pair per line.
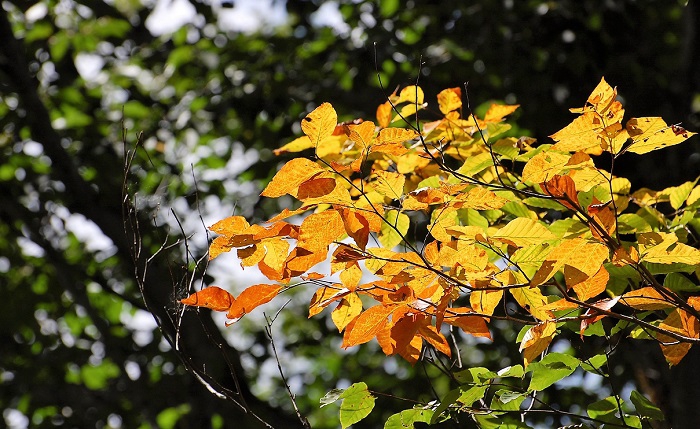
x,y
78,349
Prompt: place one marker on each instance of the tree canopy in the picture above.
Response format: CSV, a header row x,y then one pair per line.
x,y
118,144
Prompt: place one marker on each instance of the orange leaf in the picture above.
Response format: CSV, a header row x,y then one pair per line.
x,y
230,226
357,227
250,298
591,286
366,325
290,176
319,230
680,322
212,297
563,189
316,188
436,339
646,298
384,114
469,323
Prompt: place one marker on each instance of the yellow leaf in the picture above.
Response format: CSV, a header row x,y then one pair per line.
x,y
531,299
348,309
362,134
600,100
485,301
449,99
290,176
580,134
577,253
497,112
478,198
646,298
521,232
296,145
389,184
412,94
653,133
440,220
324,296
395,135
320,123
536,340
544,166
663,248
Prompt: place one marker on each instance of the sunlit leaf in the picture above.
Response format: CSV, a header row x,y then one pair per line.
x,y
212,297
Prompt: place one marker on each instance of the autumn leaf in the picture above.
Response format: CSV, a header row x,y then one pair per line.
x,y
348,309
521,232
250,298
577,253
290,176
563,189
653,133
680,322
449,99
212,297
366,325
589,287
646,298
497,112
320,123
536,340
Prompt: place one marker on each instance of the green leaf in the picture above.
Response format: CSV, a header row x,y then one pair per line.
x,y
331,397
593,364
490,422
477,374
512,371
406,419
357,404
645,407
604,410
472,394
167,419
390,237
506,400
552,368
134,109
447,400
630,223
677,282
96,377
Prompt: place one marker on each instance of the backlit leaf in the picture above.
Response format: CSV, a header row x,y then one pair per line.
x,y
394,229
348,308
357,404
653,133
212,297
646,298
250,298
366,325
290,176
523,232
320,123
449,99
